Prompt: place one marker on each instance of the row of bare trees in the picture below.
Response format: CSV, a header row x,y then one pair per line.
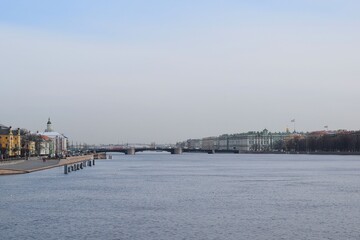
x,y
26,140
340,142
31,144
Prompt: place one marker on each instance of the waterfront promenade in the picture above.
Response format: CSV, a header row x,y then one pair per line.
x,y
37,164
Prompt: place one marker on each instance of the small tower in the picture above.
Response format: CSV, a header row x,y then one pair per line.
x,y
49,128
287,130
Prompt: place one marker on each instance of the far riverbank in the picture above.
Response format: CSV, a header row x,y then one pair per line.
x,y
306,153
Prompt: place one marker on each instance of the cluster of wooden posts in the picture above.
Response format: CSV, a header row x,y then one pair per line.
x,y
78,166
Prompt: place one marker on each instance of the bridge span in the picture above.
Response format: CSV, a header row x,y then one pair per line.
x,y
133,150
175,150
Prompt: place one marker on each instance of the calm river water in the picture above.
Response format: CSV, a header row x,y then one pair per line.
x,y
188,196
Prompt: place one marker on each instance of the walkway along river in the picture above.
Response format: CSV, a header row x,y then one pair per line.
x,y
27,166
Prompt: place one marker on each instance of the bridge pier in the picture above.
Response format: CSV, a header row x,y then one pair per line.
x,y
211,151
130,151
177,150
65,169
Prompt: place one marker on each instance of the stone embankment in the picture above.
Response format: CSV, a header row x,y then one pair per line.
x,y
75,159
37,164
10,172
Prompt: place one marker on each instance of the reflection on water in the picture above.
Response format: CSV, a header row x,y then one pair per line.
x,y
188,196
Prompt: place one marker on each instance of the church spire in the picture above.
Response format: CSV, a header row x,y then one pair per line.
x,y
49,127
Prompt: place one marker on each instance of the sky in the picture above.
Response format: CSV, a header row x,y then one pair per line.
x,y
144,71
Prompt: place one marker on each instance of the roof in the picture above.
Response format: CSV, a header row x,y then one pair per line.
x,y
6,131
46,138
52,134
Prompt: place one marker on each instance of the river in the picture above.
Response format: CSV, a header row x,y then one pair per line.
x,y
151,196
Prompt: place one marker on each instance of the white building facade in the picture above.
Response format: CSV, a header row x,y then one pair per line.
x,y
58,142
250,141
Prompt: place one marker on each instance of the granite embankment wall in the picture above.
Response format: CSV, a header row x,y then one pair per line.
x,y
32,165
75,159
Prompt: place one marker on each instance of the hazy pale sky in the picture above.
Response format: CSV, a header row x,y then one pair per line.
x,y
141,71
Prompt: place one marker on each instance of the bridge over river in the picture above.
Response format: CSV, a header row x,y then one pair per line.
x,y
174,150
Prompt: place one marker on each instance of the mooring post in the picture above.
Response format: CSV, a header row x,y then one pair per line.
x,y
93,161
65,169
90,163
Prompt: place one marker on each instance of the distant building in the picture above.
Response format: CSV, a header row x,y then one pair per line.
x,y
46,146
250,141
223,142
209,143
58,141
10,141
260,141
193,144
30,148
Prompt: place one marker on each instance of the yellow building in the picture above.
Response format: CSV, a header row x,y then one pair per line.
x,y
10,141
31,147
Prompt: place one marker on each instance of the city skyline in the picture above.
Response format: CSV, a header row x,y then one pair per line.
x,y
287,131
140,71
